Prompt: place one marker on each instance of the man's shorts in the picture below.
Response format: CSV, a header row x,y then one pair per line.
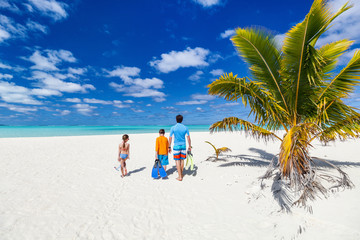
x,y
179,152
164,160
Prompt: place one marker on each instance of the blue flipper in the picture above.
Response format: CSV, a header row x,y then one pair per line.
x,y
161,170
155,170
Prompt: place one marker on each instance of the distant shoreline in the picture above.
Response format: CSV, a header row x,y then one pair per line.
x,y
61,131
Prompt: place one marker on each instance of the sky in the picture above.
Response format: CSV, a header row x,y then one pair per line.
x,y
135,62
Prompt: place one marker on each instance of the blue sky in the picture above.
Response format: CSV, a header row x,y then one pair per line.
x,y
133,62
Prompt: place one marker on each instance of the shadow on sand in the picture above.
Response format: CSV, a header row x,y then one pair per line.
x,y
136,171
185,172
281,192
250,160
263,159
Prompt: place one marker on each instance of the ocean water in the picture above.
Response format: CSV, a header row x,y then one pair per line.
x,y
52,131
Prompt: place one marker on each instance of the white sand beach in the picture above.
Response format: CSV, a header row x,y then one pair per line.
x,y
67,188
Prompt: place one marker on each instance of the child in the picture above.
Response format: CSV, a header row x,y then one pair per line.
x,y
124,154
161,149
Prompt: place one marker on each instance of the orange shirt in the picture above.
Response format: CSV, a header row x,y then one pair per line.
x,y
162,145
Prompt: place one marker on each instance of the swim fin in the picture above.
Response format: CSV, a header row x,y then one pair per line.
x,y
155,170
161,170
189,161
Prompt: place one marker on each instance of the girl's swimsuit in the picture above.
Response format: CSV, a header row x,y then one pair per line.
x,y
123,156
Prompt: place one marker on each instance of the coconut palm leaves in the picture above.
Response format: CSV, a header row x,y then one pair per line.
x,y
296,88
218,151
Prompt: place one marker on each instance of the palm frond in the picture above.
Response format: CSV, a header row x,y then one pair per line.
x,y
345,82
266,109
343,129
236,124
259,50
211,145
301,63
330,54
224,149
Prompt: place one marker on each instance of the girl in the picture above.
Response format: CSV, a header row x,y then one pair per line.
x,y
124,154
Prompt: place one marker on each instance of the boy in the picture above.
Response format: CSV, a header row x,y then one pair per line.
x,y
161,149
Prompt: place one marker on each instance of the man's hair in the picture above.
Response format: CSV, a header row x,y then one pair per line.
x,y
179,118
162,131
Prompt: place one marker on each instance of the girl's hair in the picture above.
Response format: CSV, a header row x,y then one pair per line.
x,y
162,131
125,137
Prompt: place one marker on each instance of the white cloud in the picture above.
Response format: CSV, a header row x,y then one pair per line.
x,y
5,76
73,100
77,71
48,81
217,72
227,33
346,26
124,73
137,110
197,99
202,97
43,63
4,66
120,104
55,10
279,39
192,102
138,91
4,35
346,57
52,58
169,108
62,112
225,105
148,83
97,101
148,105
128,101
45,92
199,109
18,108
13,29
10,29
84,109
137,87
174,60
34,26
9,92
196,76
6,5
207,3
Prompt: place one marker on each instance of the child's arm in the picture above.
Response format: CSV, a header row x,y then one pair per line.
x,y
128,157
119,153
157,148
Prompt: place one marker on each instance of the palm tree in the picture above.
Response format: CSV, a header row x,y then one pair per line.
x,y
218,151
295,87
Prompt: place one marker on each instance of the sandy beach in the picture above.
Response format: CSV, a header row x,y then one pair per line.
x,y
67,188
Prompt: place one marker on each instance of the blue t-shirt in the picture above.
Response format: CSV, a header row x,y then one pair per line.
x,y
179,131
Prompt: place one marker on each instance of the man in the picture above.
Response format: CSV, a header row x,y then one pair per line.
x,y
179,131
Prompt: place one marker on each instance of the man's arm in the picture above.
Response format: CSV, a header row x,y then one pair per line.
x,y
189,141
169,148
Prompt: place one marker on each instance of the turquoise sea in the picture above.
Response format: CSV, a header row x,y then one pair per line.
x,y
52,131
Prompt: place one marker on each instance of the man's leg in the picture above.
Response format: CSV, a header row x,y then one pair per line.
x,y
182,167
178,168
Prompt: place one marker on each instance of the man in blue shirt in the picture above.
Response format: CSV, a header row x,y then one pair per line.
x,y
179,131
